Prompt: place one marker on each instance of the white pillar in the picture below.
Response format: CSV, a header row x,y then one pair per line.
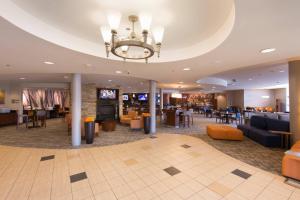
x,y
76,110
161,99
294,95
152,102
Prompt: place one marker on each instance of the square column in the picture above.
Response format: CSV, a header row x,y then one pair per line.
x,y
294,96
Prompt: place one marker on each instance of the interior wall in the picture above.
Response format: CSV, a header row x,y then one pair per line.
x,y
13,95
255,98
13,92
235,98
221,100
280,94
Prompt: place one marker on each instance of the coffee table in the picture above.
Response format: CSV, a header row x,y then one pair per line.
x,y
285,138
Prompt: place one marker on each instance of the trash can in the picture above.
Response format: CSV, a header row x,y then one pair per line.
x,y
147,124
89,129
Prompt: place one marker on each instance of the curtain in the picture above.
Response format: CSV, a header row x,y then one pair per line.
x,y
45,98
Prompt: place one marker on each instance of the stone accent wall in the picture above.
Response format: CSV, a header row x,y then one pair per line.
x,y
89,99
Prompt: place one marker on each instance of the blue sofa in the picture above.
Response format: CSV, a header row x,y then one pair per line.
x,y
259,128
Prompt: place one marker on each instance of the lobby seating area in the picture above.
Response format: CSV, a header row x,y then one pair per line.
x,y
150,100
260,129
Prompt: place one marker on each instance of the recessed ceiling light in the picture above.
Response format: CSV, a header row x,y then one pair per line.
x,y
66,77
250,79
180,82
88,65
109,80
278,82
281,71
22,78
119,72
186,69
49,63
269,50
213,87
199,85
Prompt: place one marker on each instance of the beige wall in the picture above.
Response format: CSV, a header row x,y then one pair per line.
x,y
13,91
221,100
235,98
281,95
254,98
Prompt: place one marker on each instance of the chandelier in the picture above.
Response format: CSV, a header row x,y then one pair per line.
x,y
135,46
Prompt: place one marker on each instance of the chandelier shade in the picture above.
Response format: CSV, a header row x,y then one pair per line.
x,y
135,46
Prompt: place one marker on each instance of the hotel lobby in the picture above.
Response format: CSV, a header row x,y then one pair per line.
x,y
153,99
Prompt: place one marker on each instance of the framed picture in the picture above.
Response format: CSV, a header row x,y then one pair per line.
x,y
2,96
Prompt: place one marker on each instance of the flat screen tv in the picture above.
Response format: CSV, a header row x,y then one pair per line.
x,y
108,94
125,97
142,97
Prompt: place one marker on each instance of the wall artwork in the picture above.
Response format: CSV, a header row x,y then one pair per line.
x,y
2,96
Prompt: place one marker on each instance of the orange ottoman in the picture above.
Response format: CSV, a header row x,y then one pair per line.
x,y
222,132
291,162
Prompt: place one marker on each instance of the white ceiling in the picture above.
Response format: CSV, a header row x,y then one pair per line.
x,y
206,22
257,26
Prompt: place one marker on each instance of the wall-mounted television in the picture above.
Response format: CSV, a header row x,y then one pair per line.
x,y
107,94
125,97
142,97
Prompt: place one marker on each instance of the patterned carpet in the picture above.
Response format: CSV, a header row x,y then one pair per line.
x,y
55,136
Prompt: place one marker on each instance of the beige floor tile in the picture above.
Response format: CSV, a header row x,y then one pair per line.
x,y
150,179
100,187
122,191
207,194
145,194
129,197
130,162
171,182
159,188
194,185
108,195
234,196
136,184
117,181
82,193
171,195
184,191
219,188
204,180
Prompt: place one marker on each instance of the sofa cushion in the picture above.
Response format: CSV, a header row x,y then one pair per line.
x,y
258,122
265,138
244,128
277,125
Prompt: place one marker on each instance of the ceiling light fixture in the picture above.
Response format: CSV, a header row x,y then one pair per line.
x,y
22,78
281,71
269,50
49,63
118,72
66,77
186,69
250,79
134,46
109,80
180,82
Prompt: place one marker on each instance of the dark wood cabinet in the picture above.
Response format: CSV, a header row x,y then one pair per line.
x,y
8,118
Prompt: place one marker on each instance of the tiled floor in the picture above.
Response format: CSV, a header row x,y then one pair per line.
x,y
135,171
55,136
